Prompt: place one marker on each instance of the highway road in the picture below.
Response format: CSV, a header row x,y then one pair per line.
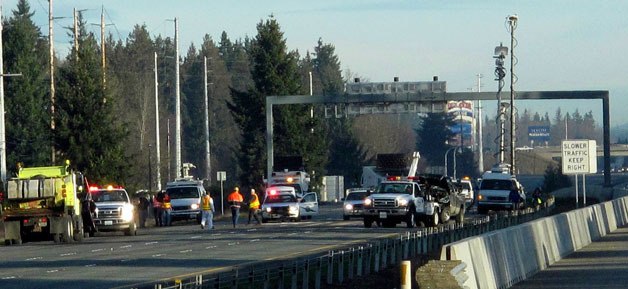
x,y
112,259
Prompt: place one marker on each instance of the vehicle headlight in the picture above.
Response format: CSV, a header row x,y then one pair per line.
x,y
293,209
403,202
348,207
368,202
268,209
127,212
96,211
194,206
480,197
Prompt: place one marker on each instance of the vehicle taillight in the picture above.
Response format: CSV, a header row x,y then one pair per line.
x,y
273,192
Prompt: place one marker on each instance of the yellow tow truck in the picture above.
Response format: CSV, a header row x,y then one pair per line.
x,y
43,201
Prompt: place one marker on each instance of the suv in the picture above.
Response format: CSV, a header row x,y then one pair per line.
x,y
495,191
353,205
114,210
466,189
281,203
185,198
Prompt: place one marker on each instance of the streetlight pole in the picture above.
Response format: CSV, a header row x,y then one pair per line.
x,y
150,170
512,22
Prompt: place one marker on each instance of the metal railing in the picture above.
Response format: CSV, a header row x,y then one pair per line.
x,y
338,266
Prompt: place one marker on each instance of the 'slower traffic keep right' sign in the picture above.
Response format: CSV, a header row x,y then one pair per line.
x,y
579,157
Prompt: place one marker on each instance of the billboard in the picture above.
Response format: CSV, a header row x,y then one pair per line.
x,y
539,133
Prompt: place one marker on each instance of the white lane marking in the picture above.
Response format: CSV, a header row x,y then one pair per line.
x,y
125,260
158,255
126,246
307,232
210,247
254,240
217,234
90,265
97,250
292,234
67,254
8,277
195,237
251,230
150,243
233,243
185,251
52,271
34,258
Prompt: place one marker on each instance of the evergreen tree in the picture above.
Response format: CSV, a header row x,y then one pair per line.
x,y
88,131
27,99
433,137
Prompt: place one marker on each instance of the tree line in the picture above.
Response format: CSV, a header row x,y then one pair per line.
x,y
104,121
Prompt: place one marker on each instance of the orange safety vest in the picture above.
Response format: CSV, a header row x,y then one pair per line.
x,y
206,204
235,197
255,201
167,204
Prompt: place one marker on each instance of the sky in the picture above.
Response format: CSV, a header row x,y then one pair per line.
x,y
561,44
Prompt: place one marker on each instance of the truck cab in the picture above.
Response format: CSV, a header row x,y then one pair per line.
x,y
114,210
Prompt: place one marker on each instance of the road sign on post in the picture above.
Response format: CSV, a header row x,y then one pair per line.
x,y
579,157
222,176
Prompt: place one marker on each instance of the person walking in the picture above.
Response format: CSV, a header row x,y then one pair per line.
x,y
254,207
235,200
157,209
207,211
167,210
143,210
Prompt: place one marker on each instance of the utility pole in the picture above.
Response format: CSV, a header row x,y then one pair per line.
x,y
208,163
3,143
76,48
102,51
168,151
480,141
158,157
512,23
52,77
177,125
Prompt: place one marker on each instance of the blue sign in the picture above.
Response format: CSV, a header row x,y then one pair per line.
x,y
539,133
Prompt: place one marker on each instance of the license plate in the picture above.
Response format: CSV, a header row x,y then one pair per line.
x,y
108,223
383,215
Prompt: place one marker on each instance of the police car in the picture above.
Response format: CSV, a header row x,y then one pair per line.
x,y
282,203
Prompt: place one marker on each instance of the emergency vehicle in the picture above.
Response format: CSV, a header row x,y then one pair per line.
x,y
114,210
282,203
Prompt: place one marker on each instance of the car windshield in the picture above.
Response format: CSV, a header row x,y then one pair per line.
x,y
183,193
394,188
109,196
282,198
496,185
297,187
355,196
465,186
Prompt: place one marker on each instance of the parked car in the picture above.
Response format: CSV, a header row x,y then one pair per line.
x,y
353,203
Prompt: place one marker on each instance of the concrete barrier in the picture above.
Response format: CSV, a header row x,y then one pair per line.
x,y
499,259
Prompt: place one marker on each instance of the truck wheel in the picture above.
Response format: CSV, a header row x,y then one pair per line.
x,y
264,220
433,220
17,242
7,242
460,216
346,218
445,215
410,219
131,231
368,222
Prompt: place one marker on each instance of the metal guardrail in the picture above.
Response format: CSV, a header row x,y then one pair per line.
x,y
337,266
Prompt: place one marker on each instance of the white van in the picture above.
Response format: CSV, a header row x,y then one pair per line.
x,y
185,198
495,189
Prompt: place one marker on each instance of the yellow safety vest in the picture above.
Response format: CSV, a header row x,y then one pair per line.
x,y
255,202
206,203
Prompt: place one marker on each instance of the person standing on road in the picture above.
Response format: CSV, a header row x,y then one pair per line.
x,y
235,200
157,209
143,210
167,210
254,207
207,211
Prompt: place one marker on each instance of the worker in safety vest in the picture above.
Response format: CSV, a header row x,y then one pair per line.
x,y
254,207
167,210
207,211
235,200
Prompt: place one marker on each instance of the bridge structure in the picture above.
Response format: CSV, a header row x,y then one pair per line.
x,y
424,97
